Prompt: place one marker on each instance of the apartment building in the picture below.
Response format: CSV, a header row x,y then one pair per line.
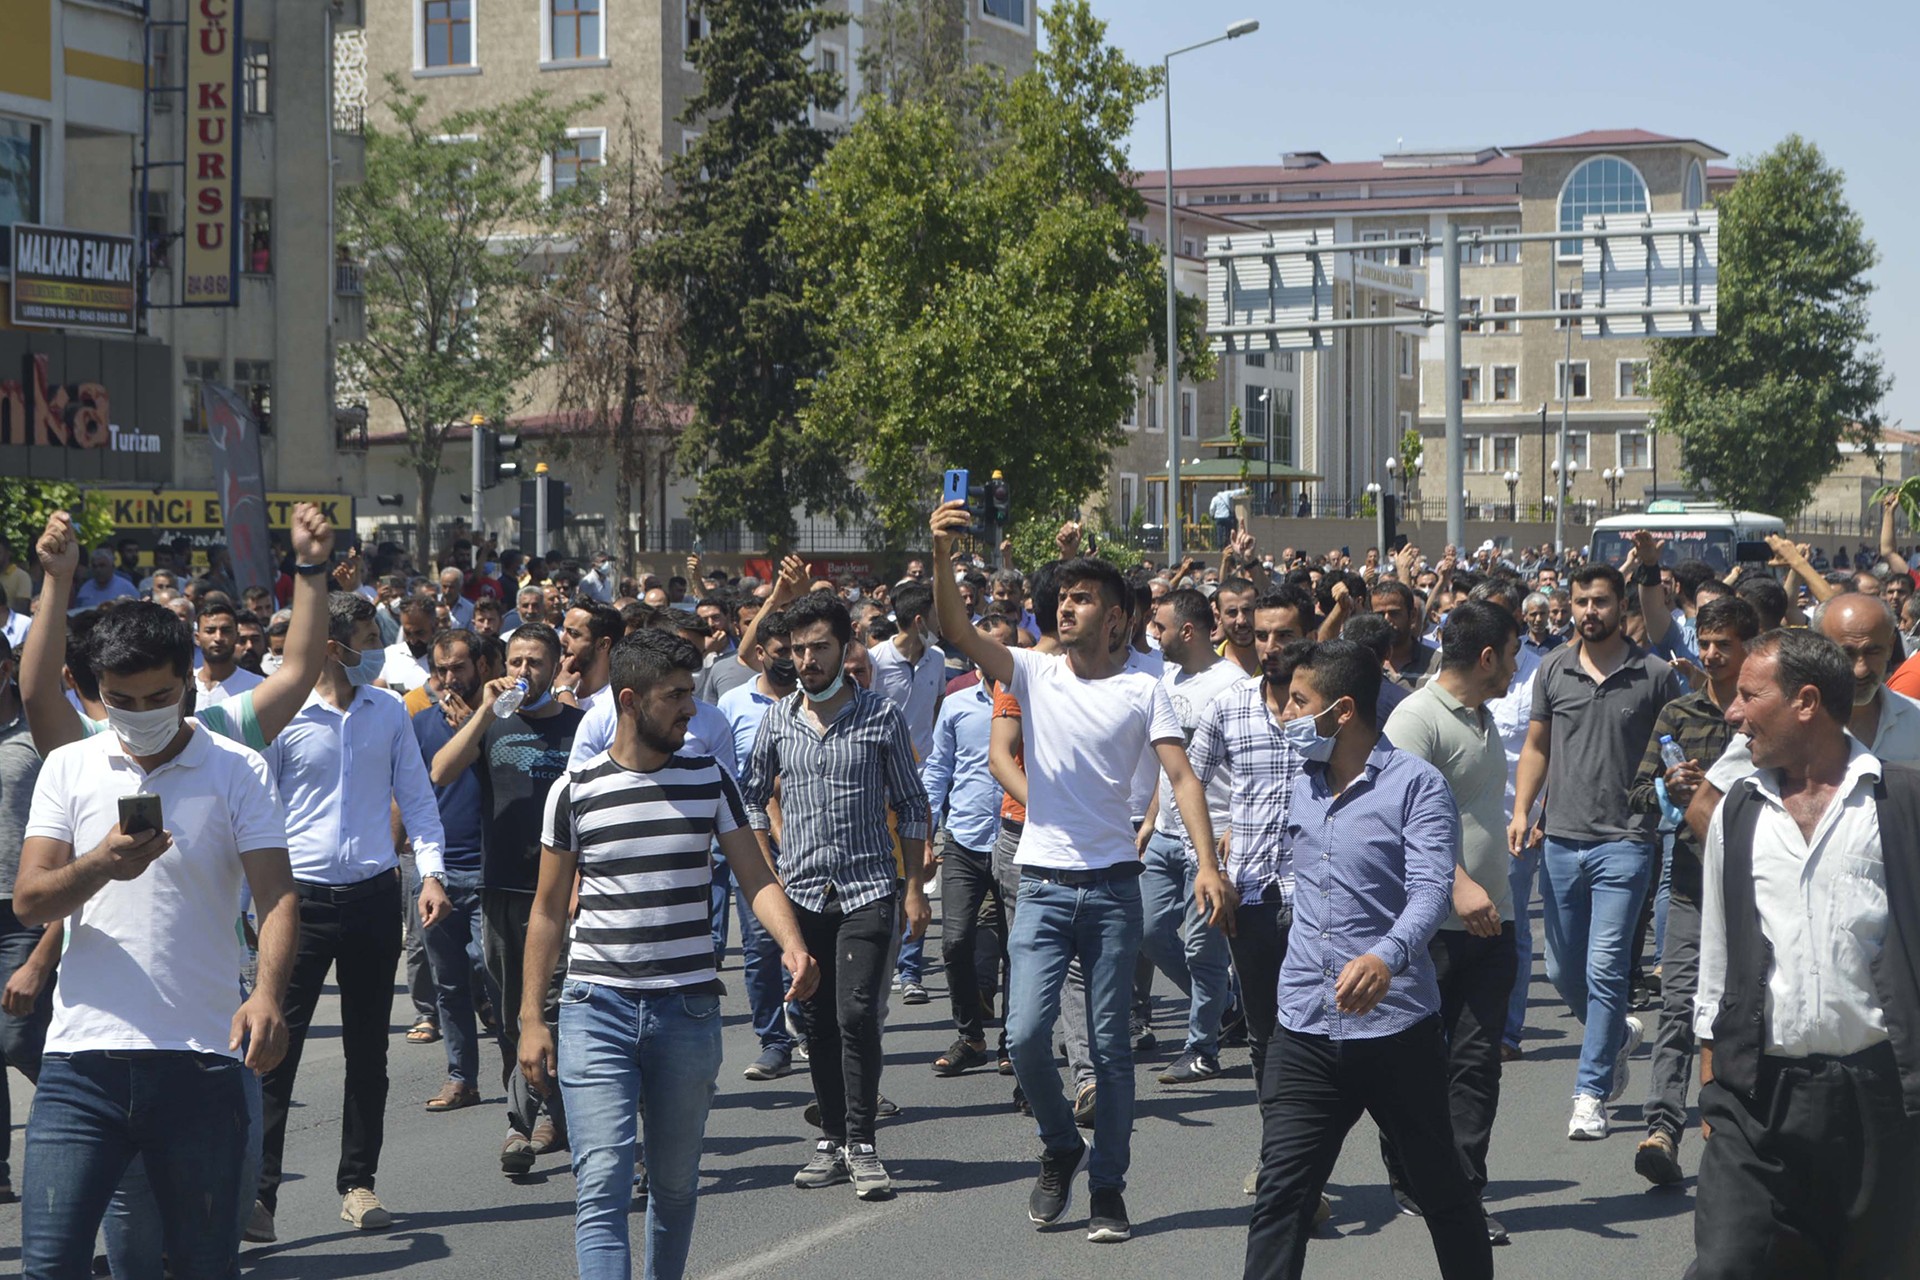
x,y
1364,389
465,54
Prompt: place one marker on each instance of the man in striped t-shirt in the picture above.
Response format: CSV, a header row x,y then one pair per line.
x,y
640,1010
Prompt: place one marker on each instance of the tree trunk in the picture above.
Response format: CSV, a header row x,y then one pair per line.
x,y
623,512
423,518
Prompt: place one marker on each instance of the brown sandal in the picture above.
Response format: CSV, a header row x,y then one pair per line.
x,y
425,1031
453,1096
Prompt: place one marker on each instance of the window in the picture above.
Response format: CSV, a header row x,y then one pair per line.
x,y
1632,379
1283,361
1579,388
1256,359
1254,419
449,31
1408,255
1470,383
258,62
195,370
1409,345
256,233
253,382
1280,425
1633,452
694,26
1375,255
1577,452
1153,407
1473,454
1505,255
160,66
1469,251
1603,184
1139,234
1504,302
1156,500
1506,382
1129,496
576,159
156,226
1188,248
1012,12
1506,453
576,29
20,160
1186,414
830,59
1569,301
1130,416
1696,190
1470,315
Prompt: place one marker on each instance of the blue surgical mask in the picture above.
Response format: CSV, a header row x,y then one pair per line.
x,y
365,669
826,694
539,702
1304,736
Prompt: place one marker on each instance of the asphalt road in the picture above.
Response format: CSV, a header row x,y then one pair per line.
x,y
963,1162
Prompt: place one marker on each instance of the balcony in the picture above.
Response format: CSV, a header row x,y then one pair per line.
x,y
349,302
349,143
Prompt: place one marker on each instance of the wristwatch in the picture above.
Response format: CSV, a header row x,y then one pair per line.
x,y
436,877
1647,575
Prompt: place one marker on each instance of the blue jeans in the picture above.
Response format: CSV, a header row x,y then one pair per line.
x,y
186,1113
1100,925
912,964
1592,893
717,905
455,954
1176,937
622,1052
20,1038
1520,874
135,1235
764,979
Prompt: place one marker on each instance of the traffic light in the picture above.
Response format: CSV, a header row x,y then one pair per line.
x,y
999,501
559,498
494,467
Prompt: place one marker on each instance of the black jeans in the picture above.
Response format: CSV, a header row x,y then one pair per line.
x,y
1476,979
1813,1176
1315,1089
360,941
1673,1043
967,884
504,915
854,951
1259,945
21,1039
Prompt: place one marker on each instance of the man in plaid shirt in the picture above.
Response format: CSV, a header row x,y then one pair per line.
x,y
1698,727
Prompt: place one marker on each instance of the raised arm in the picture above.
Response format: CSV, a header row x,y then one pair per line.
x,y
1793,557
992,657
1895,561
280,696
51,719
463,749
786,589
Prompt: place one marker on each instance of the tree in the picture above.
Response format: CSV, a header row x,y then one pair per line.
x,y
26,504
448,218
748,335
985,299
616,335
1762,408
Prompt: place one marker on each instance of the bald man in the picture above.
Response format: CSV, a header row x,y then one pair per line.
x,y
1887,723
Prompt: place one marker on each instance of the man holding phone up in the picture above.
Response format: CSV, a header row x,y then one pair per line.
x,y
143,1054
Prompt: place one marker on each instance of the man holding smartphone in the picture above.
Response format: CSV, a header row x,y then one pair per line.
x,y
144,1006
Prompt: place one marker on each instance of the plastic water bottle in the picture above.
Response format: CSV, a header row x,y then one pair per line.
x,y
1670,753
509,702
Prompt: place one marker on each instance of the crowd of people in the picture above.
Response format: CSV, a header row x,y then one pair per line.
x,y
1319,795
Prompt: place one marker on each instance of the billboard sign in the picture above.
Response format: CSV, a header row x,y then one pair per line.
x,y
151,517
86,409
73,279
211,254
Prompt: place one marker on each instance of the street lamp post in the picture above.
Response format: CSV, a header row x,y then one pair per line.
x,y
1613,476
1176,525
1513,511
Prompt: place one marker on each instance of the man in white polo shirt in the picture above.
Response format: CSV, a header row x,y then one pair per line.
x,y
142,1057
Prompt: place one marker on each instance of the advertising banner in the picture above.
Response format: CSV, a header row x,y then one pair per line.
x,y
151,517
86,408
212,250
73,279
235,440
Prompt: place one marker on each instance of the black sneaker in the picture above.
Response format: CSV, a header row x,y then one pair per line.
x,y
870,1180
1144,1041
828,1166
1083,1104
1108,1222
1233,1027
1053,1189
1190,1067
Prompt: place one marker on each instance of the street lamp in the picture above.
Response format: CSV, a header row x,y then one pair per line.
x,y
1175,527
1393,478
1512,479
1266,431
1613,476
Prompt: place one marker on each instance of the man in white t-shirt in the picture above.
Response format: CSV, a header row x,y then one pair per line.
x,y
143,1056
1085,720
1175,936
220,676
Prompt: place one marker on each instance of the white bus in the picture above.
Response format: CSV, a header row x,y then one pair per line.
x,y
1692,530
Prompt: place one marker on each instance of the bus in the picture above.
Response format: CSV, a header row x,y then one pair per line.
x,y
1692,531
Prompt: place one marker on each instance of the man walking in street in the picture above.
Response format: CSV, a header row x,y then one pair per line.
x,y
220,676
1233,611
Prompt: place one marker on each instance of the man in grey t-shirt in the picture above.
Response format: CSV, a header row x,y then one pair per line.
x,y
27,955
1446,723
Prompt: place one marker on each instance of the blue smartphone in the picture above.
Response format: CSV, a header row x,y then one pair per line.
x,y
956,486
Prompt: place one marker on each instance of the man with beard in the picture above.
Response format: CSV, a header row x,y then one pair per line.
x,y
840,758
1410,658
1594,703
403,666
518,758
462,663
1697,724
1233,605
587,633
251,648
220,675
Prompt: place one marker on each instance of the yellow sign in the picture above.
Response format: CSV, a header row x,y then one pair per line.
x,y
212,232
175,512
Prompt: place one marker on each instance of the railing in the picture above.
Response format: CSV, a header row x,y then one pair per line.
x,y
350,118
347,278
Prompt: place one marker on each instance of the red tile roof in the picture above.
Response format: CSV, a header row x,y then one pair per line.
x,y
1598,138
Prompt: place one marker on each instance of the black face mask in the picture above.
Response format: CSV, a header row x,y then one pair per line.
x,y
781,671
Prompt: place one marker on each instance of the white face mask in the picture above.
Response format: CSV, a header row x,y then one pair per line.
x,y
145,733
269,663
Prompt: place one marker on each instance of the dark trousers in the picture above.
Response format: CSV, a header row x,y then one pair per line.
x,y
967,884
1476,977
1672,1068
1315,1089
1259,945
854,951
504,916
1817,1174
359,940
21,1038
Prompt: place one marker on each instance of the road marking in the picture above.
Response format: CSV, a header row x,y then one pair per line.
x,y
853,1224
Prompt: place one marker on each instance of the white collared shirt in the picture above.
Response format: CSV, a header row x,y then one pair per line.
x,y
1823,907
337,771
212,695
914,687
154,962
400,669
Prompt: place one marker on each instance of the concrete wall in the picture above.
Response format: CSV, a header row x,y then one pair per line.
x,y
1319,535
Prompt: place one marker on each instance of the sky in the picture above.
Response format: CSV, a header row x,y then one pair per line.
x,y
1357,81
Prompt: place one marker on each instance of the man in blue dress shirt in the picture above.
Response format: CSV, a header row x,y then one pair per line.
x,y
1374,833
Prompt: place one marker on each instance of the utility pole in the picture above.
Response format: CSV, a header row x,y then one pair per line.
x,y
1456,428
478,439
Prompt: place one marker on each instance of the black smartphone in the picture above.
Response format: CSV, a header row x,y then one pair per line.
x,y
140,813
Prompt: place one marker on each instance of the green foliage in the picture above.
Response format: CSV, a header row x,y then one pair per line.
x,y
450,211
1762,408
985,304
1368,507
749,335
1238,435
26,504
1412,448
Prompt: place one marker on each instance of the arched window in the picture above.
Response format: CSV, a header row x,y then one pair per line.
x,y
1603,184
1696,195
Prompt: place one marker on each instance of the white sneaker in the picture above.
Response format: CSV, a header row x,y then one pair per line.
x,y
1589,1122
1622,1069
